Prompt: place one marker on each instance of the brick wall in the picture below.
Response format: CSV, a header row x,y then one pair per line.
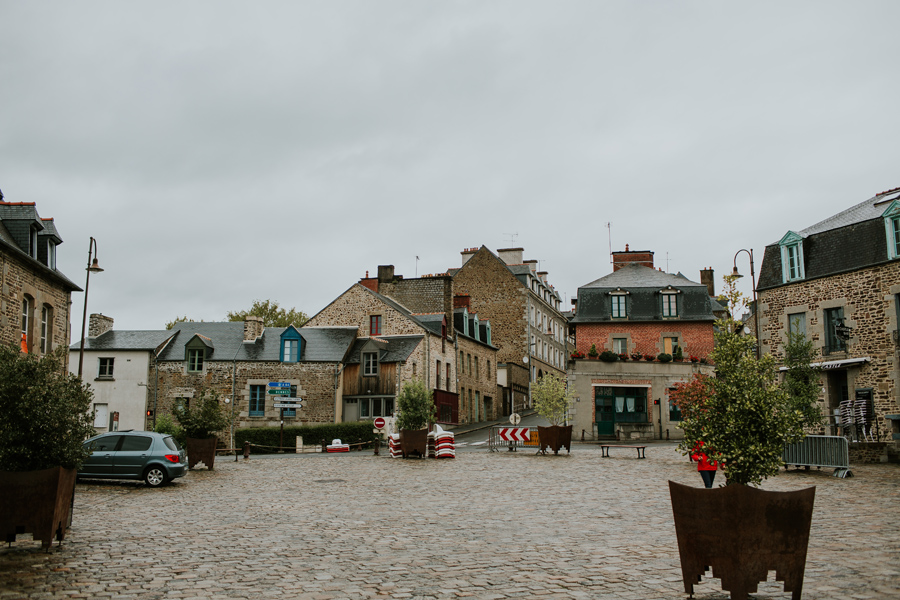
x,y
694,337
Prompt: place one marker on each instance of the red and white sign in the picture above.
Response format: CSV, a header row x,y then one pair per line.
x,y
514,434
379,423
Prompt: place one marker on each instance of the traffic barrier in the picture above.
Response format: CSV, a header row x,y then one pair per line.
x,y
511,438
829,451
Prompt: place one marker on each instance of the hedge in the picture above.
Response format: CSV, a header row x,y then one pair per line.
x,y
313,435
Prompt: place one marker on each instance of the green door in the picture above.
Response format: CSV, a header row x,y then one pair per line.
x,y
605,411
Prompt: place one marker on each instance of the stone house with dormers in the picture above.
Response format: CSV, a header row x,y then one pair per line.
x,y
838,284
35,298
637,309
431,348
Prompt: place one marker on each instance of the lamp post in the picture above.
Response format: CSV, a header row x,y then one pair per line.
x,y
92,267
755,304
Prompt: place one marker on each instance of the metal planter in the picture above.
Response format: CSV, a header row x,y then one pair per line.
x,y
36,502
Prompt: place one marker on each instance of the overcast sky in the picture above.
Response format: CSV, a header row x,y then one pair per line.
x,y
222,152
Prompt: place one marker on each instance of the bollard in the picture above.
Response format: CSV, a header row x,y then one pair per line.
x,y
246,450
582,435
667,435
377,444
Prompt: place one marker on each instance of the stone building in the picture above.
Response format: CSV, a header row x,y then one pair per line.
x,y
838,284
527,325
35,298
634,313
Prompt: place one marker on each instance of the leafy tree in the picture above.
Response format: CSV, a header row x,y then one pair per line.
x,y
203,420
551,399
746,416
45,412
166,424
415,406
184,319
801,380
271,314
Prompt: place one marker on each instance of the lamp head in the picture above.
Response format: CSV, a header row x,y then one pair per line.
x,y
736,274
95,268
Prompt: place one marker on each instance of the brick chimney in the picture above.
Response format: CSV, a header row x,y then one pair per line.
x,y
462,301
253,328
643,258
708,279
369,282
99,324
511,256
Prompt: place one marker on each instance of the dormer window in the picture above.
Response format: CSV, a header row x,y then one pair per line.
x,y
196,351
291,345
892,229
618,307
669,302
370,364
195,359
791,257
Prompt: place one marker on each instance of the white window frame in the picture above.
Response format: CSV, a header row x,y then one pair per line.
x,y
792,258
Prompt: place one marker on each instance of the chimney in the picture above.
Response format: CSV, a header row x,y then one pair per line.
x,y
708,279
98,325
643,258
511,256
253,328
467,254
385,273
369,282
462,301
543,276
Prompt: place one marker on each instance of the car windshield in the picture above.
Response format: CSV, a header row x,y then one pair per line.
x,y
171,443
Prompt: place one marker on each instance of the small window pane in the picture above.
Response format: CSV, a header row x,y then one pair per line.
x,y
136,443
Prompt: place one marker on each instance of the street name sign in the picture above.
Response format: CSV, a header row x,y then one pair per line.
x,y
279,384
287,405
279,392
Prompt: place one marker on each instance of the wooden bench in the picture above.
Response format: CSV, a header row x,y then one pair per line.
x,y
605,449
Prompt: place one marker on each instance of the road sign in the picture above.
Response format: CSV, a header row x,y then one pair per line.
x,y
380,422
279,392
515,418
514,434
287,405
279,384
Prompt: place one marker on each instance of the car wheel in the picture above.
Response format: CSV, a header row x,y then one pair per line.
x,y
155,476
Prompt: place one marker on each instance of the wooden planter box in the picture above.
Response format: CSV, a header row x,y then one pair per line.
x,y
555,437
742,533
201,450
36,502
414,442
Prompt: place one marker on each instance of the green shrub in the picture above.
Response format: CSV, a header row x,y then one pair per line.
x,y
415,406
664,357
204,419
313,435
45,412
166,424
609,356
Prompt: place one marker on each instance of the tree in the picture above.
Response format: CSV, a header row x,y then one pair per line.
x,y
415,406
801,380
204,419
45,412
184,319
271,314
743,416
551,399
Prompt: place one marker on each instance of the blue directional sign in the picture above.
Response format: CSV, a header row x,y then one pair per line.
x,y
279,384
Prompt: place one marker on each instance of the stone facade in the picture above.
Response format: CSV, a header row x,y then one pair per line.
x,y
479,397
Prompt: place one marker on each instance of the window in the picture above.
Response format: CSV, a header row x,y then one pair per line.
x,y
135,443
618,306
291,351
437,375
51,254
448,377
833,318
620,345
106,368
374,324
628,404
45,329
670,345
791,257
180,404
477,373
195,360
257,400
670,305
26,311
796,324
892,229
370,364
674,412
489,369
469,364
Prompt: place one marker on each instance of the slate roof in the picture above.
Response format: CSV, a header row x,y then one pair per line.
x,y
321,344
850,240
394,348
15,220
433,322
643,285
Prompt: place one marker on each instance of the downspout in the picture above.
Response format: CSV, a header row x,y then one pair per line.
x,y
338,369
233,392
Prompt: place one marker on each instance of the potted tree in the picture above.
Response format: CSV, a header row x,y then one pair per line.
x,y
592,352
551,401
200,424
44,420
742,418
416,411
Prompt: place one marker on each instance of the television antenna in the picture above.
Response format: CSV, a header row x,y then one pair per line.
x,y
512,238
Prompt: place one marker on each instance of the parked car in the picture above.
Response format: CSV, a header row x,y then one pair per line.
x,y
154,457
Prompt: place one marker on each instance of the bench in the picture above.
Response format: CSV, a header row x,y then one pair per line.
x,y
605,449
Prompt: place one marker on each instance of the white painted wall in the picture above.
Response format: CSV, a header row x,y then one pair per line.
x,y
122,393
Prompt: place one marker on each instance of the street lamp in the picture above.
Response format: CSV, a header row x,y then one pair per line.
x,y
755,304
92,267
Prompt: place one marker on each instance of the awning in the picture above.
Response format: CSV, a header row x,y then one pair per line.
x,y
837,364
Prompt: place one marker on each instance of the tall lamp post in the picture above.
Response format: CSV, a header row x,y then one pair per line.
x,y
92,267
755,304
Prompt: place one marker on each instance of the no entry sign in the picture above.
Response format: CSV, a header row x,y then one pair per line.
x,y
379,422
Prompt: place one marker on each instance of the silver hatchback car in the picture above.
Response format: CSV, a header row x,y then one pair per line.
x,y
154,457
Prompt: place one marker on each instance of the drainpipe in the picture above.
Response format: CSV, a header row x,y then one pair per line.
x,y
233,394
338,369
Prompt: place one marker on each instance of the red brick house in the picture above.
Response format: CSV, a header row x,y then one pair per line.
x,y
637,310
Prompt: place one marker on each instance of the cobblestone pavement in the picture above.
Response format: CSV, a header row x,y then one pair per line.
x,y
483,525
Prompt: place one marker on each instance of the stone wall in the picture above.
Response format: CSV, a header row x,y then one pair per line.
x,y
477,372
18,280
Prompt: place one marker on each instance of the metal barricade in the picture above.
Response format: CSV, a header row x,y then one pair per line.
x,y
829,451
511,438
